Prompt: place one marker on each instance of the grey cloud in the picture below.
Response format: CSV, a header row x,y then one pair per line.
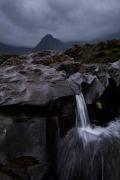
x,y
25,22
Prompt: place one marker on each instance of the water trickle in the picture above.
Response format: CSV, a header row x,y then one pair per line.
x,y
88,153
82,119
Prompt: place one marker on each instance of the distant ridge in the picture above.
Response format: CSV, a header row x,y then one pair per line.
x,y
13,49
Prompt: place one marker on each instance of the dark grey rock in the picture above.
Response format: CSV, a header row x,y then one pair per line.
x,y
32,85
90,85
23,146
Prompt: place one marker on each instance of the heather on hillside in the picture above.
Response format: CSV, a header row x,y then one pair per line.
x,y
106,51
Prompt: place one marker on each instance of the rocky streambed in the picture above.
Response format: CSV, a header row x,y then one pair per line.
x,y
37,108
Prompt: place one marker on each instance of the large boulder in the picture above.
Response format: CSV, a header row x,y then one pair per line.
x,y
22,147
32,85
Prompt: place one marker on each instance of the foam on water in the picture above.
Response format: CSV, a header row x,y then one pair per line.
x,y
90,153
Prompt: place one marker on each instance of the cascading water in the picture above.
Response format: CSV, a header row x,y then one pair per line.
x,y
82,118
88,153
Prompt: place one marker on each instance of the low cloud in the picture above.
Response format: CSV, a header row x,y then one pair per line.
x,y
25,22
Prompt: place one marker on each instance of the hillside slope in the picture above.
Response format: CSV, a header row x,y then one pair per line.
x,y
106,51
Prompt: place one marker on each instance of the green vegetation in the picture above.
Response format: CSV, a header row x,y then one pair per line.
x,y
107,51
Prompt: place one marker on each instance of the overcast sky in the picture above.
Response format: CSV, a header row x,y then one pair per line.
x,y
25,22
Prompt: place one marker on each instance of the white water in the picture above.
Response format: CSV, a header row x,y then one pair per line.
x,y
82,119
88,153
87,132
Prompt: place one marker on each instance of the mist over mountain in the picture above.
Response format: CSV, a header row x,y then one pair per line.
x,y
47,43
13,49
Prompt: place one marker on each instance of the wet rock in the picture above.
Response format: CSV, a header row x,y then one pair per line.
x,y
104,72
32,85
69,67
90,85
100,70
109,77
23,146
48,57
36,172
4,177
67,116
114,72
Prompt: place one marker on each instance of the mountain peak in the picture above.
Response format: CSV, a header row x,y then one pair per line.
x,y
48,42
48,36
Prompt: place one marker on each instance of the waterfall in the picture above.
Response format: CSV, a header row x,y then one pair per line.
x,y
88,153
82,119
